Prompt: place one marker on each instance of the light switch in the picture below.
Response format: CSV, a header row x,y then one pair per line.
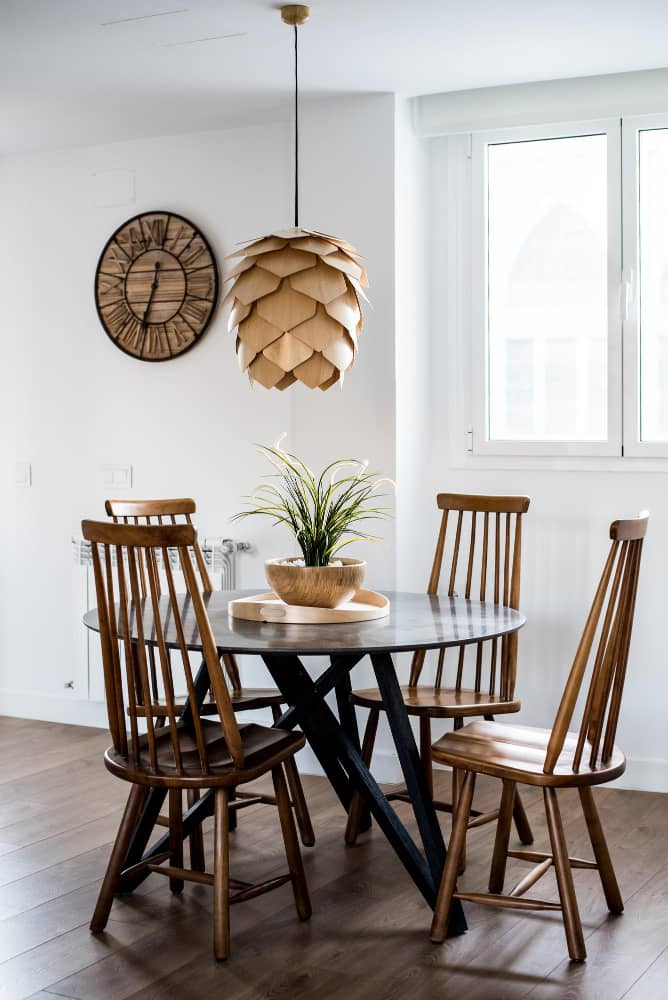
x,y
23,474
119,476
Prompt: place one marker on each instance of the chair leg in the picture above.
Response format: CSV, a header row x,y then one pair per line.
x,y
176,836
106,895
569,903
457,779
425,752
233,819
197,859
439,926
357,803
293,854
297,795
613,896
497,872
519,813
221,876
522,821
299,803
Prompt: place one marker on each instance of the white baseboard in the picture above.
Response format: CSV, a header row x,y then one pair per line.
x,y
385,765
53,708
645,774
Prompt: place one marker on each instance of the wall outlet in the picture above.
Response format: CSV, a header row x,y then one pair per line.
x,y
119,476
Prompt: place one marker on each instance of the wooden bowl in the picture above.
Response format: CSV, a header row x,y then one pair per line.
x,y
315,586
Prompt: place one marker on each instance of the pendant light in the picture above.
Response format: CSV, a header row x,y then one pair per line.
x,y
296,293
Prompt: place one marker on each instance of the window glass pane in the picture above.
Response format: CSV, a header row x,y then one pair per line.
x,y
547,289
519,384
653,252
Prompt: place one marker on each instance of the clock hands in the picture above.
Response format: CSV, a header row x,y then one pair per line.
x,y
144,322
154,285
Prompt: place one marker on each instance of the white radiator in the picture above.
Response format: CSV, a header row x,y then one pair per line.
x,y
221,557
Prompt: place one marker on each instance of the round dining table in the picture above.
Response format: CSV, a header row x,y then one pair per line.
x,y
415,622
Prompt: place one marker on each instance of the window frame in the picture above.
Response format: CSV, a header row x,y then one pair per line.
x,y
481,443
634,447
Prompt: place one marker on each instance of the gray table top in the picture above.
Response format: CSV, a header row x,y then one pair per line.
x,y
416,621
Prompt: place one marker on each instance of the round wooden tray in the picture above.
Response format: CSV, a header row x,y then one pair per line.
x,y
365,606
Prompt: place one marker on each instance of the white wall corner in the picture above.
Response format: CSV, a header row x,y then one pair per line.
x,y
412,344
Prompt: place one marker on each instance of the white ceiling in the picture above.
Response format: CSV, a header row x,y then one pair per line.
x,y
68,76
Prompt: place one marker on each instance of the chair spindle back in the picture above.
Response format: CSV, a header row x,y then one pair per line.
x,y
611,617
123,608
169,511
160,512
485,557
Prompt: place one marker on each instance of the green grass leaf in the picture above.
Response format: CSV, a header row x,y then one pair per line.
x,y
323,513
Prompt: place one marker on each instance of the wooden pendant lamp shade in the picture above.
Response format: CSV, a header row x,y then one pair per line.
x,y
295,293
296,308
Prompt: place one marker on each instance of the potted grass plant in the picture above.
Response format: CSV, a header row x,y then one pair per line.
x,y
324,514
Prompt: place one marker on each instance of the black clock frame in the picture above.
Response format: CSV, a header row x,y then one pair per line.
x,y
216,284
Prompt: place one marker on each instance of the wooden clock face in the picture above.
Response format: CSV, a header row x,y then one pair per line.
x,y
156,286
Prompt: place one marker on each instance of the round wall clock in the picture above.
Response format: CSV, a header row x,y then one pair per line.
x,y
156,286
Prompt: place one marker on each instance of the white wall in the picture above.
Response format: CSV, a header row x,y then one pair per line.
x,y
413,345
71,402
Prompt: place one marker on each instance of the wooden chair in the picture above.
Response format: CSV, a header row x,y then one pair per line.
x,y
494,533
243,699
202,753
555,758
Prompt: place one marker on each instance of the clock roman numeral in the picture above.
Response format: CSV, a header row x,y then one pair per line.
x,y
132,240
108,285
132,335
157,343
195,312
116,316
115,261
200,283
155,230
109,290
179,332
193,253
178,236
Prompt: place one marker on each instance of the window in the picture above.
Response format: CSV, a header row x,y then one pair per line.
x,y
547,288
554,300
645,143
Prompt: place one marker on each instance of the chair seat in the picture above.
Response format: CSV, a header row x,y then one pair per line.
x,y
518,752
252,698
243,700
264,748
442,703
247,700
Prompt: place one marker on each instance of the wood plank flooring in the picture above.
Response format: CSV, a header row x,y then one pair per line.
x,y
368,938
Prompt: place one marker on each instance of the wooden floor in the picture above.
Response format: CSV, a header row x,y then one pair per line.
x,y
368,937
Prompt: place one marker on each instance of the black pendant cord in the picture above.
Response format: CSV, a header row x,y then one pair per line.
x,y
296,133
